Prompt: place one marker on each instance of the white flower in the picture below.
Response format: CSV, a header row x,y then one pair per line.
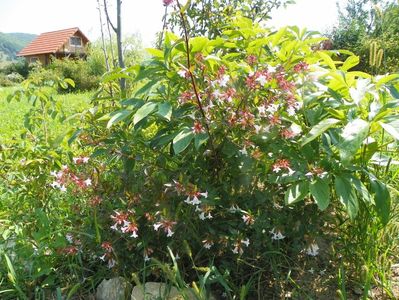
x,y
111,263
223,81
272,108
258,128
207,244
134,234
277,235
261,79
146,258
182,73
53,173
205,195
216,93
170,232
262,110
69,237
245,242
156,226
291,111
114,227
63,189
243,151
312,249
271,69
87,182
55,184
85,159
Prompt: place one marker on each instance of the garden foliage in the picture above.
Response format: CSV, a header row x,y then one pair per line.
x,y
233,160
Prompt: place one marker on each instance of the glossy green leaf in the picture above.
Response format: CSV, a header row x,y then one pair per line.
x,y
118,116
327,59
198,43
382,200
320,190
392,128
353,135
165,110
182,140
350,62
144,111
296,192
200,139
347,196
318,129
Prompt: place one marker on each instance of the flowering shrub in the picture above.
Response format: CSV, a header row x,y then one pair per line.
x,y
236,159
242,146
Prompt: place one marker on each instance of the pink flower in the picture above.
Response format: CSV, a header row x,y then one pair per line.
x,y
281,164
208,243
107,246
130,227
167,226
248,219
197,128
287,133
167,2
301,66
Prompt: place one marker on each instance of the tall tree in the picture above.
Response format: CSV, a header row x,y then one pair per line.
x,y
118,31
209,17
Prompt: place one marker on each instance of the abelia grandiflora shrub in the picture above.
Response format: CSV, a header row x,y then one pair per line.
x,y
240,143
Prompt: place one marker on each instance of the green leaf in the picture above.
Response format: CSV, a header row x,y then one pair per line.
x,y
382,200
165,110
144,111
118,116
318,129
353,135
182,140
278,35
200,139
320,190
360,188
198,43
296,192
392,128
350,62
387,79
70,82
347,196
155,52
327,59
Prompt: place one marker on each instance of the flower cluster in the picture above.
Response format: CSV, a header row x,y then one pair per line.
x,y
108,255
124,224
66,177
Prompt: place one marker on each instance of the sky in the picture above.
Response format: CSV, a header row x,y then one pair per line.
x,y
142,17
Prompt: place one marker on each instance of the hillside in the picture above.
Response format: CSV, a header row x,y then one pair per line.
x,y
11,43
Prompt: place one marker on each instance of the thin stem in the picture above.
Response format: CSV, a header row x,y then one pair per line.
x,y
194,85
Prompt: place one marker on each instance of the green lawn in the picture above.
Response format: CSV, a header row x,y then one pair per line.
x,y
12,113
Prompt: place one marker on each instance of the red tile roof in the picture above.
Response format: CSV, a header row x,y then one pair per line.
x,y
50,42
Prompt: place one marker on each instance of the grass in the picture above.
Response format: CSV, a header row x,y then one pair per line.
x,y
12,113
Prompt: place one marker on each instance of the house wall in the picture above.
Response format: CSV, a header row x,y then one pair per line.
x,y
43,58
68,48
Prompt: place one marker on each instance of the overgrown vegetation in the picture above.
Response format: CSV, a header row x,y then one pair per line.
x,y
248,165
370,29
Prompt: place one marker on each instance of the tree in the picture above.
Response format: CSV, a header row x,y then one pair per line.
x,y
210,17
364,24
118,31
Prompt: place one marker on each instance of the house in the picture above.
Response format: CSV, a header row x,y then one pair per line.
x,y
61,43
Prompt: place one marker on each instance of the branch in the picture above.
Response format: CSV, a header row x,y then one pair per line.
x,y
197,97
108,19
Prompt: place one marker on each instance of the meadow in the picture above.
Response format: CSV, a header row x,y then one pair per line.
x,y
12,113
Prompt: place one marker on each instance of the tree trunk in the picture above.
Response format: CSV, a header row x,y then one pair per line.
x,y
119,42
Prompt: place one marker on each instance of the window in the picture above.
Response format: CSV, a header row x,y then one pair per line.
x,y
75,41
